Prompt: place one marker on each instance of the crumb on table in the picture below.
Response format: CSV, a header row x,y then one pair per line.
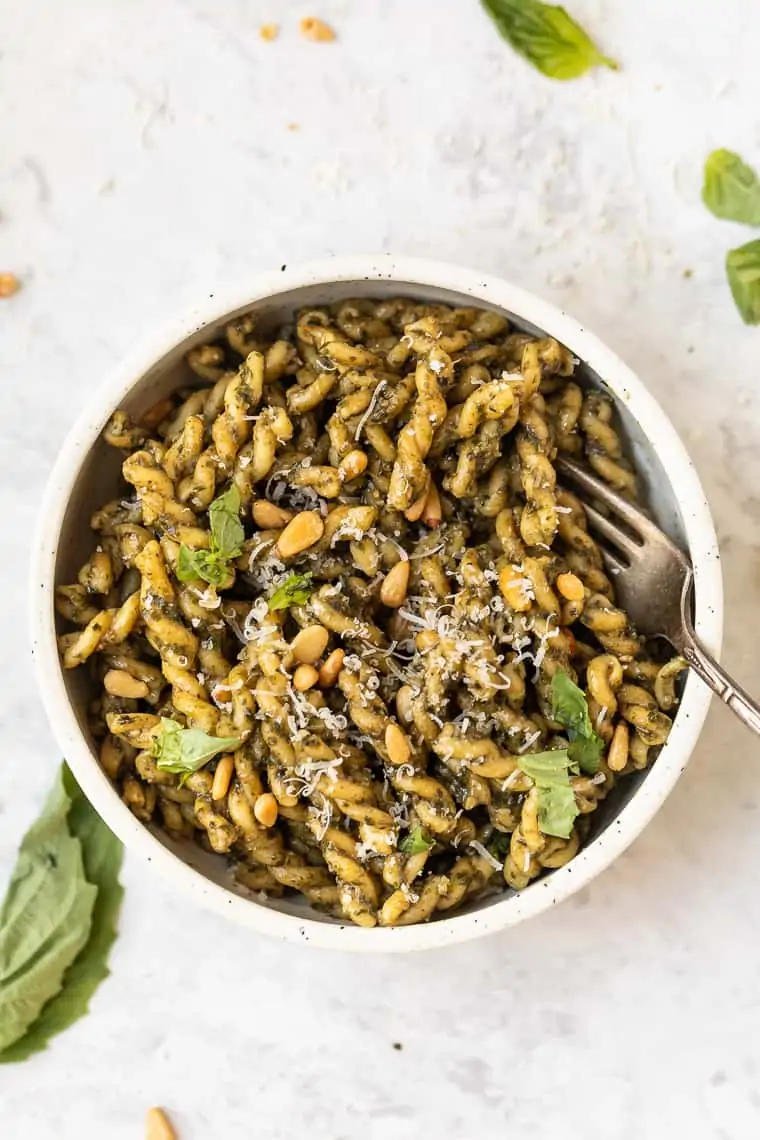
x,y
9,284
316,30
269,32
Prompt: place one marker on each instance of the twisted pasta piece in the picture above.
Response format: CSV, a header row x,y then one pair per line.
x,y
410,478
538,522
160,612
603,448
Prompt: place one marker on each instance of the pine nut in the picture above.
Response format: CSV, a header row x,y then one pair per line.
x,y
223,776
617,757
9,284
269,516
328,674
432,513
353,464
393,589
404,704
119,683
570,587
305,677
300,533
415,511
266,810
512,586
316,30
309,645
397,743
157,1126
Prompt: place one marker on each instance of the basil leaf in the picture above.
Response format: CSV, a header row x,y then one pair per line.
x,y
227,534
185,750
547,37
743,271
550,771
416,842
569,705
557,810
731,189
586,754
570,709
102,857
546,769
204,564
188,564
45,919
294,591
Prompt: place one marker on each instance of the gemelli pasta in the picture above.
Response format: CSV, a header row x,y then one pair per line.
x,y
347,627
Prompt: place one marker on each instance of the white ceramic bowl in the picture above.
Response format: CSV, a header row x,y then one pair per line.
x,y
86,475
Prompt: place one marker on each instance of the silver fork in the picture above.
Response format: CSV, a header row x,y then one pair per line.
x,y
654,580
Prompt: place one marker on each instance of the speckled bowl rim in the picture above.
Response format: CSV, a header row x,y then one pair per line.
x,y
698,527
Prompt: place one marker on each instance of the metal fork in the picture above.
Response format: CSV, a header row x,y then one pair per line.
x,y
654,582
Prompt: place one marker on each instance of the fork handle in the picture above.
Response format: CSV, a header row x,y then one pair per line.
x,y
716,678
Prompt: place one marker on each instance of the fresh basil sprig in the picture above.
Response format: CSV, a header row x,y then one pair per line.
x,y
183,751
547,37
294,591
731,189
226,544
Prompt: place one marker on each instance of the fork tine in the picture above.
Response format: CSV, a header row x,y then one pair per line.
x,y
633,515
612,562
612,533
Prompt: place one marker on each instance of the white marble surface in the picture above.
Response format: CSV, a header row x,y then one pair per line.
x,y
146,156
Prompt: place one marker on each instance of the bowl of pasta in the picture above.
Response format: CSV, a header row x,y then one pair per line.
x,y
323,635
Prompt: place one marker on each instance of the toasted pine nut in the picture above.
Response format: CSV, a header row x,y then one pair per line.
x,y
266,810
269,516
300,533
512,586
397,743
432,513
119,683
309,645
353,464
223,776
570,587
395,585
617,757
305,677
404,704
328,674
157,1126
415,511
316,30
9,284
269,32
426,639
152,418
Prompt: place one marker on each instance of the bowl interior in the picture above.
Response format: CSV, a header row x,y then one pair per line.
x,y
99,480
